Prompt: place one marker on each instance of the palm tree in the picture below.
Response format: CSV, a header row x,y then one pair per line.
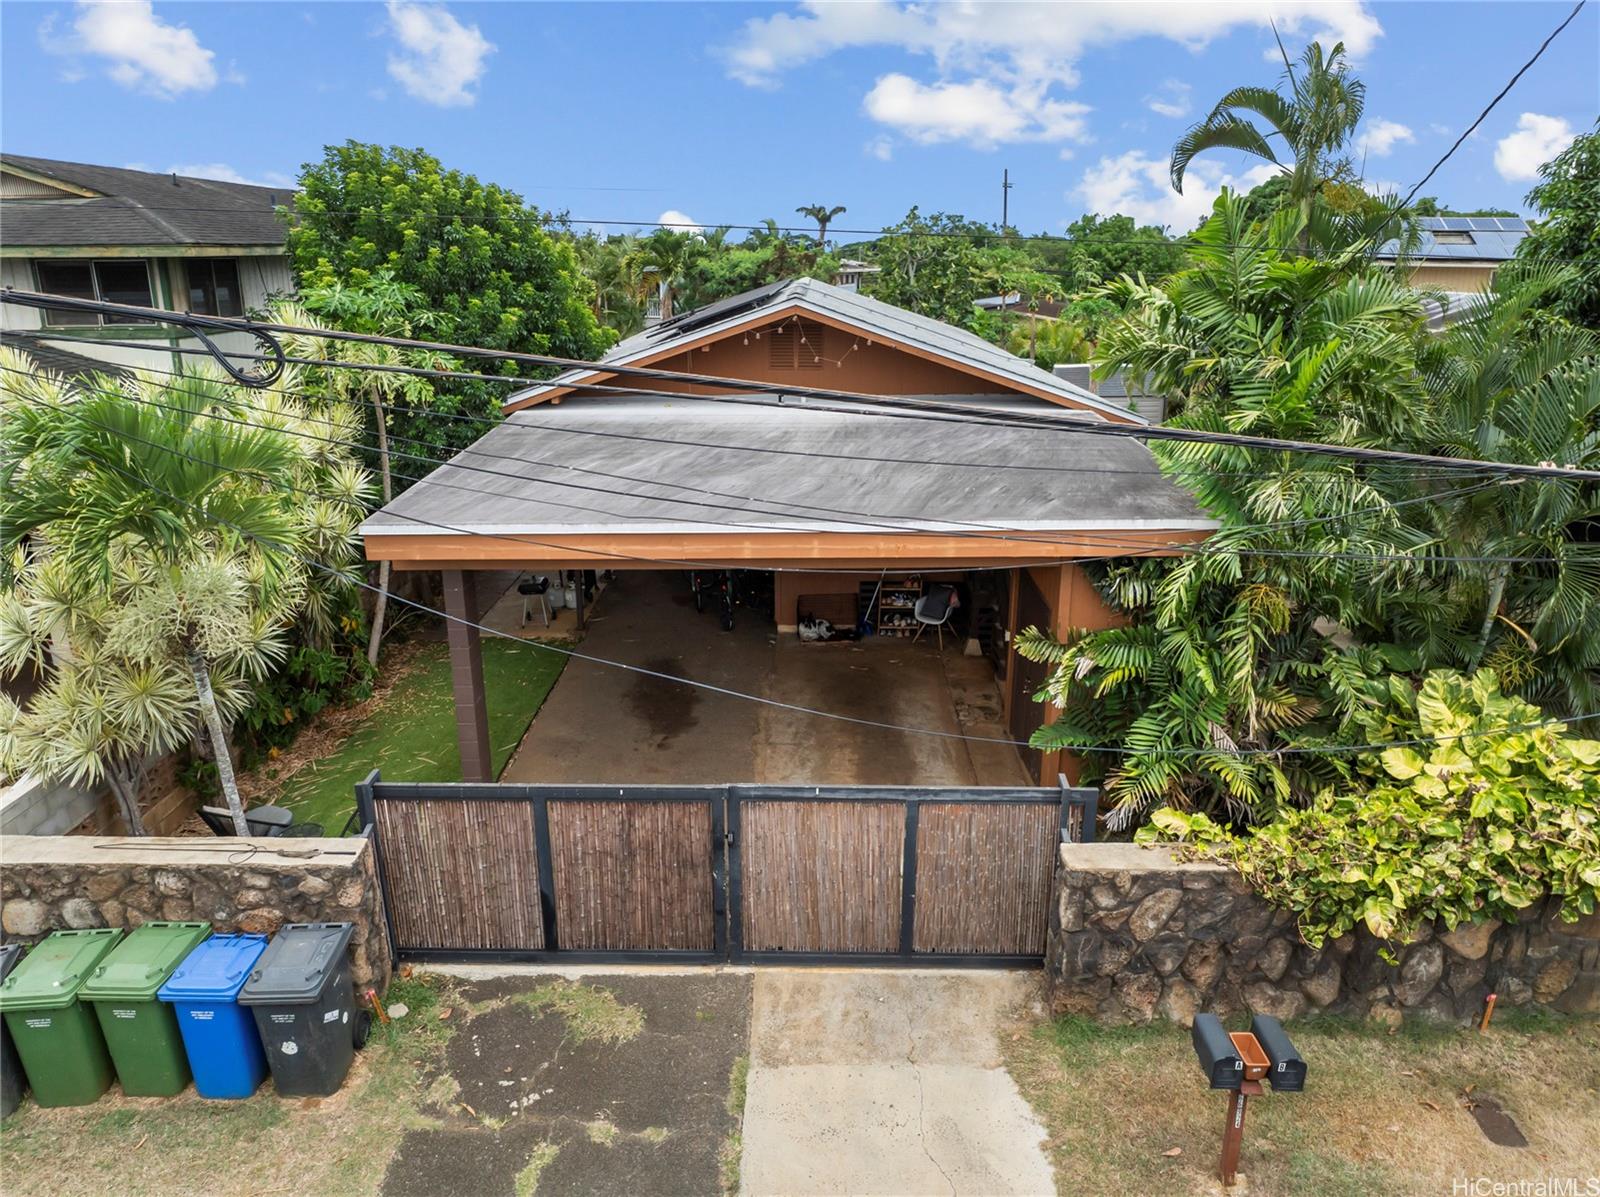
x,y
1307,119
160,539
657,263
823,215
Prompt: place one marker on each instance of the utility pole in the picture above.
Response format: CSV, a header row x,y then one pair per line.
x,y
1005,198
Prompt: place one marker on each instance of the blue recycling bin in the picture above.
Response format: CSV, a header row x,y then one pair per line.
x,y
219,1035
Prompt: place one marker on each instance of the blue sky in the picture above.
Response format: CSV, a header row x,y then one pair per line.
x,y
729,113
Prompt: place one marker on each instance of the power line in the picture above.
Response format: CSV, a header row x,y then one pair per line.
x,y
796,708
875,405
1482,116
1122,549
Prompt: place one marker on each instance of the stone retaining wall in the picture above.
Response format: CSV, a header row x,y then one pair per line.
x,y
1136,934
54,883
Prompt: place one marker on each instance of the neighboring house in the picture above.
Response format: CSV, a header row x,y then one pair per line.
x,y
1044,309
1458,254
838,495
852,272
1118,388
130,236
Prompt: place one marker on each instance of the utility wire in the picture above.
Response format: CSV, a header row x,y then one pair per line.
x,y
878,404
796,708
1118,548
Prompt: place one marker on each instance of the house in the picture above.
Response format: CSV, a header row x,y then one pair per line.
x,y
1457,254
1117,387
852,272
849,503
134,237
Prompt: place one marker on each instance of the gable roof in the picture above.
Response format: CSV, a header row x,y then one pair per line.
x,y
894,326
1475,239
137,208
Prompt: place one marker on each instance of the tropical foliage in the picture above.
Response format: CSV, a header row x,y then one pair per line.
x,y
157,543
1483,817
1305,124
1568,235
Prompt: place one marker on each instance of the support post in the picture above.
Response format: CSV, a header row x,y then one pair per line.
x,y
466,675
1233,1136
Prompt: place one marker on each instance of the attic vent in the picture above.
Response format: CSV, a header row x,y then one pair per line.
x,y
1452,237
797,344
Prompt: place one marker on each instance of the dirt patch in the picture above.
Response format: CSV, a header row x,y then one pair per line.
x,y
1497,1126
612,1085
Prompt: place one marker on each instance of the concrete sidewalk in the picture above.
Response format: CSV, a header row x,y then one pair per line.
x,y
888,1082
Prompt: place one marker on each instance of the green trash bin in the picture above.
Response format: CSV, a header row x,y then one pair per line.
x,y
56,1035
141,1030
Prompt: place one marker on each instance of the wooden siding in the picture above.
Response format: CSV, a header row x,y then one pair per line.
x,y
822,876
460,874
632,876
984,873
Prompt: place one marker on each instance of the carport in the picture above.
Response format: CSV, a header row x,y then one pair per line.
x,y
834,498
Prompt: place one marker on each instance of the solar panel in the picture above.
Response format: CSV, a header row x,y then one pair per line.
x,y
720,310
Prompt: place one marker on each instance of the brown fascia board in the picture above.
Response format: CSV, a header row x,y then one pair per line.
x,y
764,317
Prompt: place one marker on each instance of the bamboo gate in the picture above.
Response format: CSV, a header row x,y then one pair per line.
x,y
795,874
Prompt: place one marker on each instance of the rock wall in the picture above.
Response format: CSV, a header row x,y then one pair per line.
x,y
1136,934
54,883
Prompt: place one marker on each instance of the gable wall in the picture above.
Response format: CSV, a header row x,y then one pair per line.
x,y
870,369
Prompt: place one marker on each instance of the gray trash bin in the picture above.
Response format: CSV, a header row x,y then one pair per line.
x,y
304,1006
11,1079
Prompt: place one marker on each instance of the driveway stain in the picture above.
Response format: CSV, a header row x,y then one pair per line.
x,y
667,708
610,1085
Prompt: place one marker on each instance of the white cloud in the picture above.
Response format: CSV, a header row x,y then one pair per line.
x,y
679,222
440,60
979,112
1538,138
1171,99
1004,58
143,52
223,173
1137,185
1381,136
881,148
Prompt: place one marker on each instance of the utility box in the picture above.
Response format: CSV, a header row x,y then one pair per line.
x,y
1288,1071
1219,1059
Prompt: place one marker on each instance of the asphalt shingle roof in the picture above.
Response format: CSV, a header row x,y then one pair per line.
x,y
140,208
606,465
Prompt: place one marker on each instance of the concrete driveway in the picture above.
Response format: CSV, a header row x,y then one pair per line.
x,y
606,725
888,1082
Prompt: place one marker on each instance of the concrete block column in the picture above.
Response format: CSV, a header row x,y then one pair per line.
x,y
466,675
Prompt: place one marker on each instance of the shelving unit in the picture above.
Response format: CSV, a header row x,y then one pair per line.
x,y
890,614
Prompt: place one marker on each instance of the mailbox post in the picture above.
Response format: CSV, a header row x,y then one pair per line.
x,y
1238,1063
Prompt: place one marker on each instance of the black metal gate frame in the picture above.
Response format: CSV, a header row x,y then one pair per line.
x,y
1078,812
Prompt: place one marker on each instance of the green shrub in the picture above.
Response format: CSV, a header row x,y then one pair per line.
x,y
1480,820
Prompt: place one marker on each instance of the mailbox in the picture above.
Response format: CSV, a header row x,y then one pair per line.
x,y
1219,1059
1288,1071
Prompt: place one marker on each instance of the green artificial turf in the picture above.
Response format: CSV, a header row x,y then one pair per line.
x,y
410,735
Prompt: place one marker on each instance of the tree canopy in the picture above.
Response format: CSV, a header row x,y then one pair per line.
x,y
1568,231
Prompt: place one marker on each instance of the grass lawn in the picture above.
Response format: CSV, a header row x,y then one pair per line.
x,y
409,730
1126,1110
149,1146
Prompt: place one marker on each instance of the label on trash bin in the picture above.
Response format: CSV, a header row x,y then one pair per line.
x,y
40,1024
290,1047
201,1015
115,1013
287,1018
330,1016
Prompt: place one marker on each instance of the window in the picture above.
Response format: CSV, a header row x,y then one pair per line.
x,y
214,287
125,280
